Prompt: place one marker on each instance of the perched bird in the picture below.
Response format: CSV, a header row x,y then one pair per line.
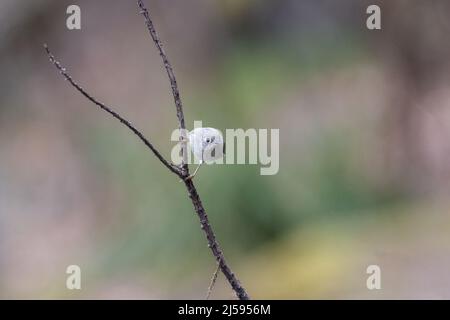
x,y
207,145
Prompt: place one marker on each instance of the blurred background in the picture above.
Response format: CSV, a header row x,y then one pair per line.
x,y
364,149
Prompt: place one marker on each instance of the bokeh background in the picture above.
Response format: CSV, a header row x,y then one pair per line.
x,y
364,149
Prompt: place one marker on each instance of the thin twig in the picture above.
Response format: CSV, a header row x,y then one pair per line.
x,y
173,83
167,65
213,281
66,75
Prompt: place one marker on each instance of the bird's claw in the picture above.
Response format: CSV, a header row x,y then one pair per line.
x,y
189,177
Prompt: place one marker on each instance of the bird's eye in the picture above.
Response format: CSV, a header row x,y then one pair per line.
x,y
207,140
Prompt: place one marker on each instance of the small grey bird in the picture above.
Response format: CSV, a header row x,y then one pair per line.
x,y
207,145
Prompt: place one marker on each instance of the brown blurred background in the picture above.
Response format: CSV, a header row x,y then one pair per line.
x,y
364,149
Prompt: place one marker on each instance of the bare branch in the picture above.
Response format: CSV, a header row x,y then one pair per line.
x,y
63,71
167,65
182,171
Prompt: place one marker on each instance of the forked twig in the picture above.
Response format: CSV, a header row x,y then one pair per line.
x,y
183,171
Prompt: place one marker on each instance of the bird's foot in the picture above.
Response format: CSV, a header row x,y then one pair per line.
x,y
189,177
